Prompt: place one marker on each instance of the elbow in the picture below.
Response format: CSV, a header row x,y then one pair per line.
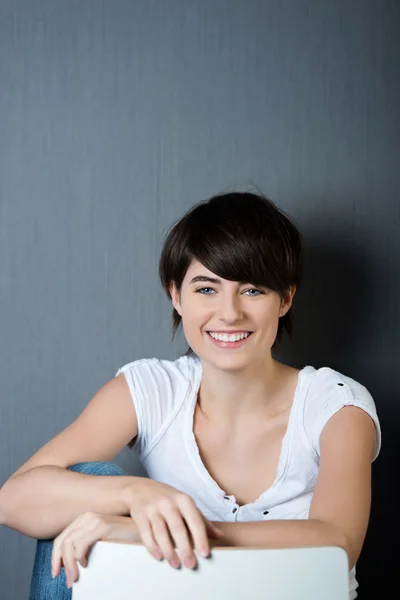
x,y
352,554
2,517
334,536
2,507
6,503
342,541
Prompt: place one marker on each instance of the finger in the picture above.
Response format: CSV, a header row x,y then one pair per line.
x,y
197,527
85,519
68,557
56,558
82,548
56,554
146,535
180,534
76,546
163,539
86,538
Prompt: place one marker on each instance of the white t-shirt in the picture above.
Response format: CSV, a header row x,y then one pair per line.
x,y
164,394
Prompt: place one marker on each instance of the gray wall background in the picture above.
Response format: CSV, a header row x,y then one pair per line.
x,y
115,117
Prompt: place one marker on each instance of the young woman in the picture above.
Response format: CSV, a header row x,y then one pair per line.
x,y
240,449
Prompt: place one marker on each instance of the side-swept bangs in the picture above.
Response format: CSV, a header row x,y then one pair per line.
x,y
241,237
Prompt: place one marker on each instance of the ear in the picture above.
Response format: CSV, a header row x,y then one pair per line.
x,y
175,297
287,300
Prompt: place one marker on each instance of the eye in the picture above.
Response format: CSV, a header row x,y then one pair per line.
x,y
204,292
254,290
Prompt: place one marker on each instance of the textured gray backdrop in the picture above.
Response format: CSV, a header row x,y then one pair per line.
x,y
117,116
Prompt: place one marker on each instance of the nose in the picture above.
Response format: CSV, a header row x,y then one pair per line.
x,y
229,309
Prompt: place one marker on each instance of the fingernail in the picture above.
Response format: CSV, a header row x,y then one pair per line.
x,y
204,553
189,562
157,554
174,563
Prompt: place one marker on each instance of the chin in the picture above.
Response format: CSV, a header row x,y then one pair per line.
x,y
228,363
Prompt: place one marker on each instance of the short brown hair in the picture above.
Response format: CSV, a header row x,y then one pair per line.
x,y
238,236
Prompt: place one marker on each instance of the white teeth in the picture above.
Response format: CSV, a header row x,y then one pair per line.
x,y
225,337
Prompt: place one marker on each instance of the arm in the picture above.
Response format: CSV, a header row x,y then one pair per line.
x,y
340,508
42,497
280,534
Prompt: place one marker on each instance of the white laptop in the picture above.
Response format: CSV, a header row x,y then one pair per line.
x,y
120,571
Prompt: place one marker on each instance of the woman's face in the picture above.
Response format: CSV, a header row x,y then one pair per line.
x,y
213,308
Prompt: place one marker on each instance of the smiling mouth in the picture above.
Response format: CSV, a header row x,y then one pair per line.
x,y
229,338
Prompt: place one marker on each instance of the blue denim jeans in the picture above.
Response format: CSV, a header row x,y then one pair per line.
x,y
43,587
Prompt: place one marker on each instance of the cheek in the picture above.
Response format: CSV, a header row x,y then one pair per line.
x,y
193,320
268,320
195,309
193,333
195,317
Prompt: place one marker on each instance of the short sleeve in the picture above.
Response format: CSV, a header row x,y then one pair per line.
x,y
327,394
158,388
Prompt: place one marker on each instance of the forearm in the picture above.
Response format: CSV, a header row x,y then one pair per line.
x,y
42,501
280,534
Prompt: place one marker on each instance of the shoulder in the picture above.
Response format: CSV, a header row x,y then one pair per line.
x,y
170,375
159,388
327,392
184,365
327,385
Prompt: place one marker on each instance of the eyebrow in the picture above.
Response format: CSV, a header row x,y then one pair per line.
x,y
209,279
206,278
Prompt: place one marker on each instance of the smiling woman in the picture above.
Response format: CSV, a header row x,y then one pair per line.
x,y
230,315
241,238
240,448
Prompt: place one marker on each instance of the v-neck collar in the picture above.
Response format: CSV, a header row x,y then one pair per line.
x,y
195,452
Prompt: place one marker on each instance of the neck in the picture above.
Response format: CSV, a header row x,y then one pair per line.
x,y
226,396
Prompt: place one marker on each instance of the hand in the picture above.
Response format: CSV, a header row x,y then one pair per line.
x,y
166,520
75,542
